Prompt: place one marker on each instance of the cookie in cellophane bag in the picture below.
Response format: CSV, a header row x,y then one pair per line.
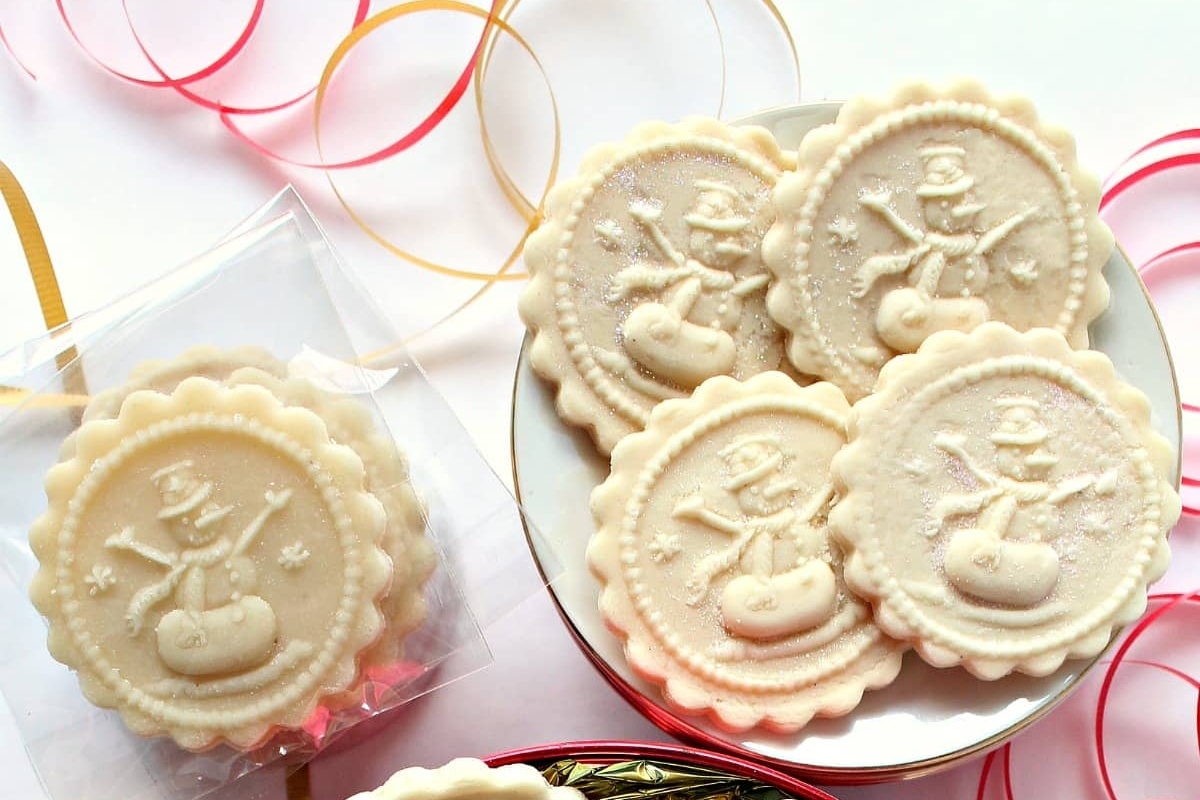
x,y
210,563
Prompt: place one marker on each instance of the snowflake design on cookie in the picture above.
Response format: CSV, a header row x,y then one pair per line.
x,y
664,547
293,556
99,580
842,230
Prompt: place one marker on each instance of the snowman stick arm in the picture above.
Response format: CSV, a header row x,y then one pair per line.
x,y
1003,229
898,223
660,239
955,449
124,541
708,517
254,528
1078,485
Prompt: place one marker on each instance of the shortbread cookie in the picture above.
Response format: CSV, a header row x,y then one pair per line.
x,y
932,210
469,779
646,274
210,563
163,375
717,567
1005,501
350,423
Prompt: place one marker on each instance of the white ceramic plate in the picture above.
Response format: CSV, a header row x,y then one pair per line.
x,y
929,718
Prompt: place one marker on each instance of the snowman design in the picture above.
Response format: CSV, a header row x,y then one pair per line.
x,y
988,561
686,335
908,315
200,638
764,603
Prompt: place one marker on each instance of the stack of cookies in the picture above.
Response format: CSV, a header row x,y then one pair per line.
x,y
226,548
849,402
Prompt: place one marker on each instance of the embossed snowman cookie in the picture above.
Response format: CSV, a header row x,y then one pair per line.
x,y
210,563
350,423
1005,501
470,779
932,210
717,567
646,274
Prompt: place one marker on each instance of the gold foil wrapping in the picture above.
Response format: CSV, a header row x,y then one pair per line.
x,y
662,780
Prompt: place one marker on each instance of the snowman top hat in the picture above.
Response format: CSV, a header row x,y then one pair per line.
x,y
751,459
183,493
944,173
1019,424
719,208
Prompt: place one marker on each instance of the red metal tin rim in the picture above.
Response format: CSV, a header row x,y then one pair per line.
x,y
613,750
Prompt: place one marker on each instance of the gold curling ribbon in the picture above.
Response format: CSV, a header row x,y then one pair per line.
x,y
45,284
495,23
531,211
498,22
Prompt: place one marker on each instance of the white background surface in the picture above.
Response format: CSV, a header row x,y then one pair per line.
x,y
128,182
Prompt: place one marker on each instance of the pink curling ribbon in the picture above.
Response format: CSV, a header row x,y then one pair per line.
x,y
999,762
1174,262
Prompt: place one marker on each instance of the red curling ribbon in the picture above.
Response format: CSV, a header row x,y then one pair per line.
x,y
1168,601
163,80
1148,171
1006,769
1165,602
360,14
1004,754
423,128
1168,264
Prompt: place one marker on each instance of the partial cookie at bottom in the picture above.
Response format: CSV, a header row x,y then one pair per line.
x,y
469,779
